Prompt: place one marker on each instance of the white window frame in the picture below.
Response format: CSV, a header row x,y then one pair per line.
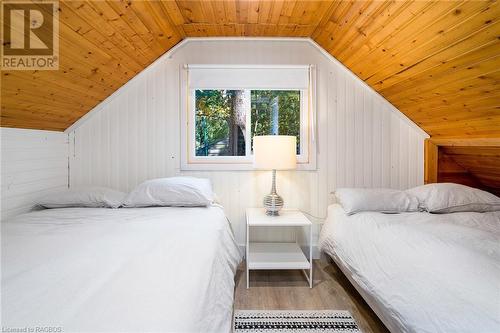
x,y
306,160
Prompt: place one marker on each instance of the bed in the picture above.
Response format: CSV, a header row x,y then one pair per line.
x,y
162,269
421,272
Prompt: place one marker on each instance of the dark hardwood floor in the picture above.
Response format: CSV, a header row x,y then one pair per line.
x,y
289,290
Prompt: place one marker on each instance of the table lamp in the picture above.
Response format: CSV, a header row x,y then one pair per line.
x,y
274,152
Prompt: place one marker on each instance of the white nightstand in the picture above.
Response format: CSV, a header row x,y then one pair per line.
x,y
276,255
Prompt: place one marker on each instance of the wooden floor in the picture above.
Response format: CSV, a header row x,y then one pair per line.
x,y
289,290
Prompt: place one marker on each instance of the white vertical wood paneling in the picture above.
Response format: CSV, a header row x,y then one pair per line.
x,y
33,162
362,141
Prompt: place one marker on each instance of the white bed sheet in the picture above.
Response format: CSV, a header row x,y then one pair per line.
x,y
128,270
425,272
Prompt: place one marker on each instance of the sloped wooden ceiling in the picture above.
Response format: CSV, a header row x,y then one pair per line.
x,y
437,61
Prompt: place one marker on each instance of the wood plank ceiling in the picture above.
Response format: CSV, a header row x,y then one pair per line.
x,y
436,61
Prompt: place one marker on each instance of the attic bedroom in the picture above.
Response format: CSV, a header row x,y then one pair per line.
x,y
250,166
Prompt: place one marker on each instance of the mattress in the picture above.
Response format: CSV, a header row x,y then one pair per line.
x,y
421,272
132,269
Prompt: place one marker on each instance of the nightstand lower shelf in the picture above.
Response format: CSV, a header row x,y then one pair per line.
x,y
291,254
276,256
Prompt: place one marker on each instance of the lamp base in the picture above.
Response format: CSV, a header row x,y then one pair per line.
x,y
273,204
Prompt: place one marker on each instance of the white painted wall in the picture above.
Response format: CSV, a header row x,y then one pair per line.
x,y
33,162
363,140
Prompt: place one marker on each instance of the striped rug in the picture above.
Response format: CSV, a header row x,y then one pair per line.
x,y
294,321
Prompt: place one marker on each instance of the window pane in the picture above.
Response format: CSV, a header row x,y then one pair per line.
x,y
220,122
276,112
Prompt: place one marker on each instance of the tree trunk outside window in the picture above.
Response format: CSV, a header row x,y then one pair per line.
x,y
240,104
275,127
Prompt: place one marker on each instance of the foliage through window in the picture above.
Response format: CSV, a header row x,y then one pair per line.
x,y
226,119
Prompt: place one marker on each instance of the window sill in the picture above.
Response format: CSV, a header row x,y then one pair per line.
x,y
204,166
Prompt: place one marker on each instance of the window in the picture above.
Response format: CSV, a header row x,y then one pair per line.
x,y
220,123
276,112
226,107
221,127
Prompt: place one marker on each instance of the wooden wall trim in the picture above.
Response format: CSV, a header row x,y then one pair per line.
x,y
430,162
478,157
479,142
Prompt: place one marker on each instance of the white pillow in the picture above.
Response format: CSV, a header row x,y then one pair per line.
x,y
355,200
174,191
450,198
83,197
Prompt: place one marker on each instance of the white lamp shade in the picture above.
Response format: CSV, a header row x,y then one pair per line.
x,y
276,152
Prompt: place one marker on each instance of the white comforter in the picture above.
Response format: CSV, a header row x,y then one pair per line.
x,y
426,272
144,269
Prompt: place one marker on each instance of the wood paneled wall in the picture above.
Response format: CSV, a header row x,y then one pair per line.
x,y
450,171
362,140
473,162
477,166
33,162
